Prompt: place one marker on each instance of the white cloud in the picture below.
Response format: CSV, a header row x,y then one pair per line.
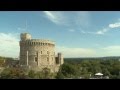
x,y
112,50
9,45
86,32
89,52
99,32
56,17
80,19
75,52
103,31
106,29
115,25
109,27
77,18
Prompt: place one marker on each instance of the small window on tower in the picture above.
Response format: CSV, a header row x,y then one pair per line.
x,y
47,52
35,59
41,52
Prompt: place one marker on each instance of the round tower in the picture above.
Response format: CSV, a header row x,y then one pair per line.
x,y
36,53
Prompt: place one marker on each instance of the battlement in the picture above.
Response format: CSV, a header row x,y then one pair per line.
x,y
41,41
26,38
38,42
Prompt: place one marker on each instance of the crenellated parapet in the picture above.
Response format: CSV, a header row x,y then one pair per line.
x,y
37,42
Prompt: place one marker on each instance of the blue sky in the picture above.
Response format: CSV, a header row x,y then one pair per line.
x,y
76,33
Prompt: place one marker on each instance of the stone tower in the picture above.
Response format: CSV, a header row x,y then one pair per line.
x,y
37,54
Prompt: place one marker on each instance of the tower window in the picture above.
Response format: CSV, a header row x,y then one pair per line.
x,y
47,52
41,52
35,59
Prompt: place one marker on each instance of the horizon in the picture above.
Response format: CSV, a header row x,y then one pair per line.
x,y
71,57
76,34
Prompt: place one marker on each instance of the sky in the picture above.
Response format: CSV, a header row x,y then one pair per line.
x,y
76,33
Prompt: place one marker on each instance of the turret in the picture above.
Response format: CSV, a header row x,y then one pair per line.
x,y
25,36
60,58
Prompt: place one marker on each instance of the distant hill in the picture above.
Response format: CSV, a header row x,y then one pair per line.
x,y
93,58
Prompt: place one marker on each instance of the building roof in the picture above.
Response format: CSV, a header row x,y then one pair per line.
x,y
99,74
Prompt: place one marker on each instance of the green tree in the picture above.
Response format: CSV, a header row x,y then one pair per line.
x,y
67,71
12,73
31,74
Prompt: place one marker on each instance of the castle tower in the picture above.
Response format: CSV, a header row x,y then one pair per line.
x,y
37,53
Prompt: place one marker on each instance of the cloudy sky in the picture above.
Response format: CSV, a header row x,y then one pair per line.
x,y
76,33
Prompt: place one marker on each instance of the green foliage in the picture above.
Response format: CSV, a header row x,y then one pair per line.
x,y
17,73
12,73
31,74
72,68
87,68
67,71
44,74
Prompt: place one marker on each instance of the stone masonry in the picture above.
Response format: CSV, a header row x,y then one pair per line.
x,y
36,54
